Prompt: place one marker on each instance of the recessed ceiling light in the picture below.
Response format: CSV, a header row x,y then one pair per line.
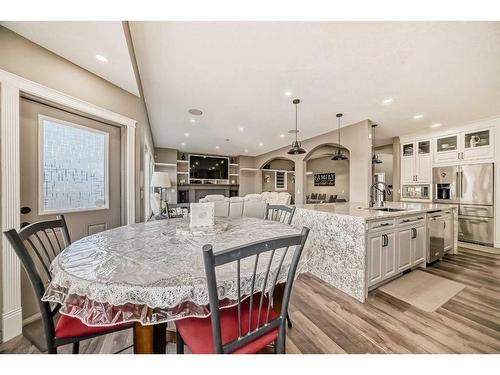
x,y
192,121
261,144
186,134
183,144
288,93
241,128
387,101
101,58
282,136
246,150
217,147
418,117
435,125
195,111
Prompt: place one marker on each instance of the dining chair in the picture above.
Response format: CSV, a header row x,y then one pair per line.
x,y
252,324
46,239
314,195
281,213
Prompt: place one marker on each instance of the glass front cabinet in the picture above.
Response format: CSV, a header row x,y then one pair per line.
x,y
469,145
416,162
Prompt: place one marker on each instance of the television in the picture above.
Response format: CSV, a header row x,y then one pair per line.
x,y
208,167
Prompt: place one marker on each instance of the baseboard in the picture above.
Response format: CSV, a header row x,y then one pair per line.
x,y
30,319
486,249
12,324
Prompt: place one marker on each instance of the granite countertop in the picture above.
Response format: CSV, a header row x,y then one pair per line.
x,y
361,209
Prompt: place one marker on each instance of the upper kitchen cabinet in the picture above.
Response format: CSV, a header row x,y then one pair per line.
x,y
416,162
468,145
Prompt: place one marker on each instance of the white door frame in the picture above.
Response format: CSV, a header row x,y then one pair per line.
x,y
11,88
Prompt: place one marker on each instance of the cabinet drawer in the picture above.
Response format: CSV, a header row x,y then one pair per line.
x,y
381,224
411,220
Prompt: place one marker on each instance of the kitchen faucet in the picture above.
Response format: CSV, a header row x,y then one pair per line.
x,y
374,201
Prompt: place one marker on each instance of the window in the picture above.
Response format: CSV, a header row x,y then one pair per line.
x,y
280,181
73,163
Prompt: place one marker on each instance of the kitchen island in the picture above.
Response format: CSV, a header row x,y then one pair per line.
x,y
355,248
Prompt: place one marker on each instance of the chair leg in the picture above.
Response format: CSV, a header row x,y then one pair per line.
x,y
279,347
179,343
76,347
288,320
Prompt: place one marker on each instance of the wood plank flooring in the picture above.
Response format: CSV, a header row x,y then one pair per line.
x,y
328,321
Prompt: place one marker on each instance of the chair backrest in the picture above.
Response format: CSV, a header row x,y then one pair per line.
x,y
314,195
332,198
280,212
37,245
213,198
254,208
322,197
253,196
340,200
236,206
184,206
258,250
284,198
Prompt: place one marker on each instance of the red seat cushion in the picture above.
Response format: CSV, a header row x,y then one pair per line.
x,y
197,332
73,327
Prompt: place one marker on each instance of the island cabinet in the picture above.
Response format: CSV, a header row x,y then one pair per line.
x,y
394,246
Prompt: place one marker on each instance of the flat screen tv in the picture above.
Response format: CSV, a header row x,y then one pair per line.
x,y
208,167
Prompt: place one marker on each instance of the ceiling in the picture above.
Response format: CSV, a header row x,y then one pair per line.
x,y
237,73
80,42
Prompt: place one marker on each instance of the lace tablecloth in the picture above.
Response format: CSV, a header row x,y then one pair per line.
x,y
149,273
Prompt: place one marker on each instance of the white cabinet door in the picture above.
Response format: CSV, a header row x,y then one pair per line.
x,y
477,144
419,244
374,259
408,162
446,148
389,255
448,233
404,255
423,161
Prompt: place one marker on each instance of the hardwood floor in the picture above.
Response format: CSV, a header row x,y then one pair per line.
x,y
328,321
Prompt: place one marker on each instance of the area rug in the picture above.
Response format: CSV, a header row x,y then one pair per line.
x,y
423,290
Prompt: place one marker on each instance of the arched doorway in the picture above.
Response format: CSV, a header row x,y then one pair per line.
x,y
278,174
326,180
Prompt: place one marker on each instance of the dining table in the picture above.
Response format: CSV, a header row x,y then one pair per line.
x,y
151,274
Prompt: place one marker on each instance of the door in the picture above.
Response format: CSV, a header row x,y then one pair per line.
x,y
70,165
404,249
374,259
419,245
476,144
423,162
408,162
389,255
476,185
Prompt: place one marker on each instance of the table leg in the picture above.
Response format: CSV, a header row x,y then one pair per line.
x,y
143,339
160,338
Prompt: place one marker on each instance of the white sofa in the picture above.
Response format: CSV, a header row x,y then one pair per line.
x,y
274,197
236,206
221,204
254,206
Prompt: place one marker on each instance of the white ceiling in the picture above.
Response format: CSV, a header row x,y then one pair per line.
x,y
79,42
237,74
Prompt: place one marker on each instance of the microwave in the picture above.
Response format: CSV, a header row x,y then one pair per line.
x,y
420,192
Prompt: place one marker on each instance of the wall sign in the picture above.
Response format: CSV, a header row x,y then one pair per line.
x,y
324,179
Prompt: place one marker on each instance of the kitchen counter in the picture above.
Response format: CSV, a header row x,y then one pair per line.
x,y
362,211
336,250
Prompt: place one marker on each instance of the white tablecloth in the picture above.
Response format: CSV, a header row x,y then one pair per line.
x,y
149,272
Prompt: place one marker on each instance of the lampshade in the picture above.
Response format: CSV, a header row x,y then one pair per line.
x,y
160,179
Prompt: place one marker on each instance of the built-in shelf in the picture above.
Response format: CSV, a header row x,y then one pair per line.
x,y
166,164
249,169
309,173
233,164
182,161
182,172
234,174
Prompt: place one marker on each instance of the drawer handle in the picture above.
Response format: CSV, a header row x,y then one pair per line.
x,y
385,224
420,218
406,221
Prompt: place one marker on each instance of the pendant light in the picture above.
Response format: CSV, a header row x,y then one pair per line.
x,y
296,146
375,159
339,155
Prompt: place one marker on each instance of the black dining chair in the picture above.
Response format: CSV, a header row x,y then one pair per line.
x,y
332,198
340,200
280,212
252,324
283,214
37,245
314,196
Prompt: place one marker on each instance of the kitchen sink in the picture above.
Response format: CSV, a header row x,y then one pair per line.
x,y
386,209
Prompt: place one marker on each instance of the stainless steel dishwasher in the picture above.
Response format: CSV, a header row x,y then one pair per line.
x,y
440,231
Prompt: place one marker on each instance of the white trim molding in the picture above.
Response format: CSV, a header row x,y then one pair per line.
x,y
11,88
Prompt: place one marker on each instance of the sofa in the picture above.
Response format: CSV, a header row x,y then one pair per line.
x,y
221,204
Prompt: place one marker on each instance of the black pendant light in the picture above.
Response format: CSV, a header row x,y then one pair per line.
x,y
296,146
375,159
339,155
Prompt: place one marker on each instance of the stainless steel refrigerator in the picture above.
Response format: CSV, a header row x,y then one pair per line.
x,y
470,187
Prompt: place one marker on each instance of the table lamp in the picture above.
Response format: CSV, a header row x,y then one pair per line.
x,y
162,181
